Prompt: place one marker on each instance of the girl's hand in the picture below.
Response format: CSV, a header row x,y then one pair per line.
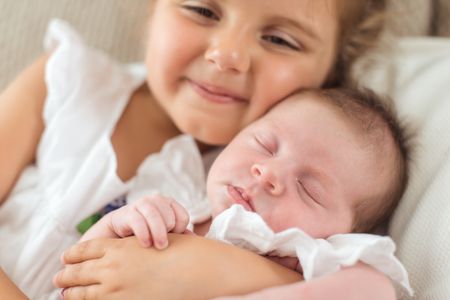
x,y
191,268
149,219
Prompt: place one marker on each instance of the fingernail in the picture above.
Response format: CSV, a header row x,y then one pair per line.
x,y
164,245
62,293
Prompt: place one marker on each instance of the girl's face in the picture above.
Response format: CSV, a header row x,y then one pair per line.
x,y
215,66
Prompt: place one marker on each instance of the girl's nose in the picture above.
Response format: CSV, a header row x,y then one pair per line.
x,y
270,180
229,53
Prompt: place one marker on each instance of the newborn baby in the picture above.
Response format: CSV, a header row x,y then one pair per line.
x,y
324,162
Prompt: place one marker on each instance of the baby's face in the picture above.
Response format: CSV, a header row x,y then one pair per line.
x,y
302,165
216,66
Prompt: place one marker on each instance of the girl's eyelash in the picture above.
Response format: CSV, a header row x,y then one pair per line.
x,y
202,11
279,41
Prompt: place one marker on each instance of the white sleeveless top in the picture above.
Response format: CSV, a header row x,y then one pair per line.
x,y
75,173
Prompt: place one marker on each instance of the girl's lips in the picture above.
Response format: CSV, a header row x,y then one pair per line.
x,y
215,94
238,196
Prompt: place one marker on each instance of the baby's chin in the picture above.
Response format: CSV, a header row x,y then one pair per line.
x,y
218,208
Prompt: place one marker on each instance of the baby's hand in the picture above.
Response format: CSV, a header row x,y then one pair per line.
x,y
149,219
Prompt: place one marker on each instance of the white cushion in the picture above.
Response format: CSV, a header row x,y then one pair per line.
x,y
417,76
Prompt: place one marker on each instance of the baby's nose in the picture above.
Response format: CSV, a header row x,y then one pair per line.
x,y
270,180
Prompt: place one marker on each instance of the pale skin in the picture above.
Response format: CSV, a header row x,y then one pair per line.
x,y
303,165
290,167
239,77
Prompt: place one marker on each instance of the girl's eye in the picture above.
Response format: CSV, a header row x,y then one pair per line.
x,y
202,11
279,41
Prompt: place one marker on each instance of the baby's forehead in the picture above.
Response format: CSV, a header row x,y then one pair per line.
x,y
368,128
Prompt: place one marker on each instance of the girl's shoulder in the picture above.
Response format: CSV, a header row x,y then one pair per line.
x,y
82,75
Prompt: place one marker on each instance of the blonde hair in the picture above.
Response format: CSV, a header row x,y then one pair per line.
x,y
361,24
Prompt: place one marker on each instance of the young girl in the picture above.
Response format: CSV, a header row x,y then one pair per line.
x,y
79,127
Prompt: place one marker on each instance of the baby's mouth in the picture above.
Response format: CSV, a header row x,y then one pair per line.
x,y
239,196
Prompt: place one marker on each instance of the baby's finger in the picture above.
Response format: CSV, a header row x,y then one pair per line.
x,y
166,211
156,224
139,227
181,216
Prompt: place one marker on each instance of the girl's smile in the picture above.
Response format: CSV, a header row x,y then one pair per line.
x,y
216,94
239,61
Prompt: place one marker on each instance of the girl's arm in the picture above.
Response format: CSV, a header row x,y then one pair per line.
x,y
196,268
191,267
354,283
21,123
8,290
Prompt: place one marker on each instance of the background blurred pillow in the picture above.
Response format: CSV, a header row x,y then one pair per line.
x,y
417,77
441,22
409,17
115,26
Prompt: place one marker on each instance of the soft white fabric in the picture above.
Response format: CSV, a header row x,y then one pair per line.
x,y
75,174
317,257
417,76
176,172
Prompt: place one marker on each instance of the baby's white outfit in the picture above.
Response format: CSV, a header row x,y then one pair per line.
x,y
75,176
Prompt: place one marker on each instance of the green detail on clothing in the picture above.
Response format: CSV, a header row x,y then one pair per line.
x,y
84,225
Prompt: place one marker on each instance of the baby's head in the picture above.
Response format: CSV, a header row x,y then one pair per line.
x,y
326,161
216,66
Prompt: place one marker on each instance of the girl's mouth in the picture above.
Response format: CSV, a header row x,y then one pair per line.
x,y
215,94
238,196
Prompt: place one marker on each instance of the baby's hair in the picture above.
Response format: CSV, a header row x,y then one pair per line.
x,y
374,115
361,24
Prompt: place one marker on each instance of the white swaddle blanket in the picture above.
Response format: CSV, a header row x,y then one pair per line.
x,y
317,256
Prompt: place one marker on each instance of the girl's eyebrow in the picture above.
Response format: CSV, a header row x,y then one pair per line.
x,y
300,25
